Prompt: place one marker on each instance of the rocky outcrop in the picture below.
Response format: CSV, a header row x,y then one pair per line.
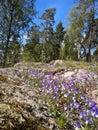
x,y
22,106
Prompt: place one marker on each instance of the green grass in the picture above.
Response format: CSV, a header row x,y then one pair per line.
x,y
80,64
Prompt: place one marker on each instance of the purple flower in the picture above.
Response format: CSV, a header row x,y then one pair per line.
x,y
74,79
87,120
83,114
54,95
49,90
93,112
96,114
92,103
82,97
77,125
87,99
56,88
88,111
76,91
77,105
17,71
71,105
69,91
65,95
42,85
65,107
63,87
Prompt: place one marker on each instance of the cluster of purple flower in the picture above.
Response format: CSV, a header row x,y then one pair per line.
x,y
75,101
71,97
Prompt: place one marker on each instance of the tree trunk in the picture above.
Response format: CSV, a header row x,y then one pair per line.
x,y
78,51
7,41
5,52
88,55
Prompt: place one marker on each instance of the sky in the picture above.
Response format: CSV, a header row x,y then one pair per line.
x,y
63,7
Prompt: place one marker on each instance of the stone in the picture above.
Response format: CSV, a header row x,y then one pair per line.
x,y
57,62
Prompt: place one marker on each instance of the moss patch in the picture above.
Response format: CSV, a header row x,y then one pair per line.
x,y
3,78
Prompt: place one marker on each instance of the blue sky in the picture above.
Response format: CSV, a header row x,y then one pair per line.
x,y
63,7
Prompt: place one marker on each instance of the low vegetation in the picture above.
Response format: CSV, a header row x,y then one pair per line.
x,y
70,101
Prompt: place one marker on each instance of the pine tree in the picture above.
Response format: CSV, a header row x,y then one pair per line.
x,y
59,38
47,33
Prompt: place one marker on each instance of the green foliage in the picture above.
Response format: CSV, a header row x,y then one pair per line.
x,y
58,37
33,34
47,25
15,18
43,57
47,38
69,51
83,22
14,53
32,52
67,47
43,43
60,118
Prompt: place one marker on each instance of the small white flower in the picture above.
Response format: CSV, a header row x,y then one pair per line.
x,y
9,78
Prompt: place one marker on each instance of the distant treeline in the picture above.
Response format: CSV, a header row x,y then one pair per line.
x,y
43,42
